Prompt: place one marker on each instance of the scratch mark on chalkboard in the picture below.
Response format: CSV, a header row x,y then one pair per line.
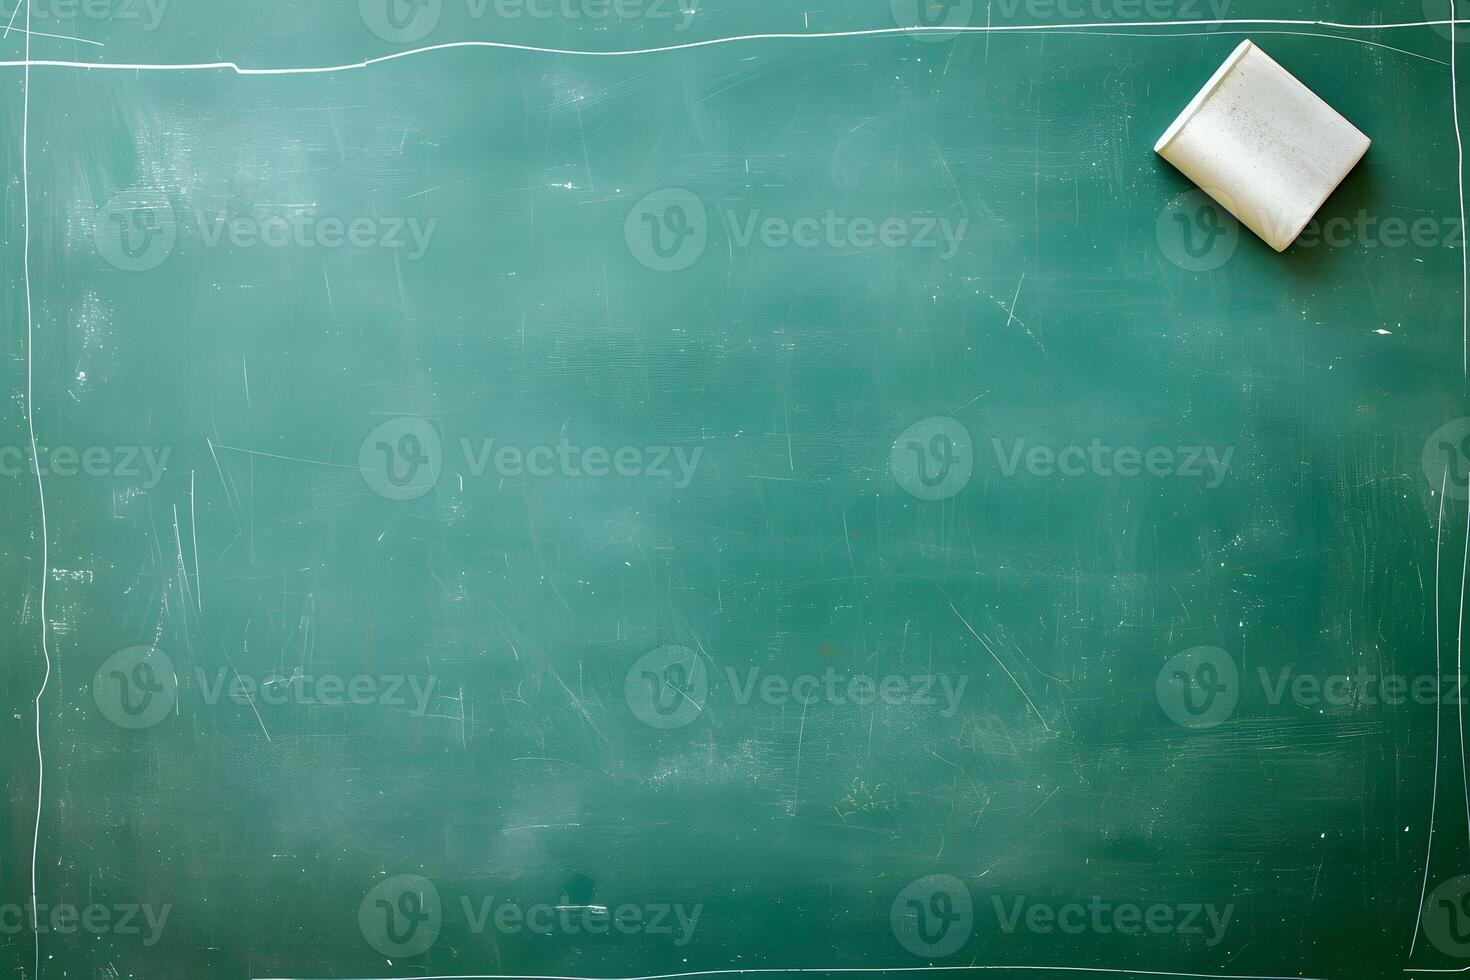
x,y
185,593
249,697
451,183
970,402
988,5
194,533
1459,665
800,734
997,660
230,497
59,37
540,826
331,304
1434,790
847,537
586,160
577,703
1043,802
786,414
1464,257
289,459
500,622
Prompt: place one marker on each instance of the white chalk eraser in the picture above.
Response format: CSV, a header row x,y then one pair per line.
x,y
1263,145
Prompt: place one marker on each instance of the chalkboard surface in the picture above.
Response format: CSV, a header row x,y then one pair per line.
x,y
794,503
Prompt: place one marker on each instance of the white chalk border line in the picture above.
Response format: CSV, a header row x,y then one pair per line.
x,y
1103,29
757,971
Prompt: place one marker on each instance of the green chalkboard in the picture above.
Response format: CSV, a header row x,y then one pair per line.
x,y
827,503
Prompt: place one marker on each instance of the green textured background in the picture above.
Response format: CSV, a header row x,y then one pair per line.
x,y
1059,319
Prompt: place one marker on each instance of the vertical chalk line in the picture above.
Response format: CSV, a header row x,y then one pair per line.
x,y
1438,703
1460,183
25,194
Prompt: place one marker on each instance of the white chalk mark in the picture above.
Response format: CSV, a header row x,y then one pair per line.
x,y
183,569
249,698
713,42
577,702
1439,679
847,539
60,37
1328,37
25,196
1459,664
1464,258
229,497
786,415
757,971
999,661
800,735
289,459
1011,312
194,533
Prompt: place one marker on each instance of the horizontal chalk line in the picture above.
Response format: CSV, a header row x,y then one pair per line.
x,y
847,969
711,42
